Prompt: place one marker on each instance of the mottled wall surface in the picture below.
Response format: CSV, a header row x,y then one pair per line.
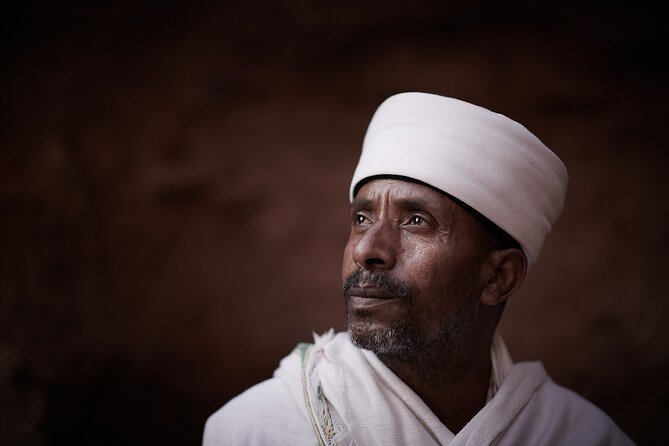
x,y
174,196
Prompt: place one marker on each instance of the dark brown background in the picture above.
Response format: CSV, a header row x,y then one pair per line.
x,y
174,183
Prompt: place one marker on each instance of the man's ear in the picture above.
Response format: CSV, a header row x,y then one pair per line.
x,y
506,271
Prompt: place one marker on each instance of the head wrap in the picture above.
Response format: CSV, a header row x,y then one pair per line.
x,y
482,158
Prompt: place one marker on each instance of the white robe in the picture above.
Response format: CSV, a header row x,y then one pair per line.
x,y
356,400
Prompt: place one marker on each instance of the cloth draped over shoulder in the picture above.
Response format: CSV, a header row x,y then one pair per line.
x,y
333,393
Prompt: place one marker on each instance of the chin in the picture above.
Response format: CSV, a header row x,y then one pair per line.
x,y
392,340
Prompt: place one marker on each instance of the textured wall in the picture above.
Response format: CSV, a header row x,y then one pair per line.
x,y
173,201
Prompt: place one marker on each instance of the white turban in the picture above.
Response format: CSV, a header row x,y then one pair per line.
x,y
484,159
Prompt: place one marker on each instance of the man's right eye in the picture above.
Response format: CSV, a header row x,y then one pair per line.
x,y
360,219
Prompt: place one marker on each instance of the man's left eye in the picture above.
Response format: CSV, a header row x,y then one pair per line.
x,y
416,220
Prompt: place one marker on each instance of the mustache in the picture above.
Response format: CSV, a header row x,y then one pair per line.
x,y
361,277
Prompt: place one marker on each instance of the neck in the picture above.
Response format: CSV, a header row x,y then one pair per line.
x,y
455,389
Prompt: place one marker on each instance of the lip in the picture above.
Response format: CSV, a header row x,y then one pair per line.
x,y
366,303
368,297
371,293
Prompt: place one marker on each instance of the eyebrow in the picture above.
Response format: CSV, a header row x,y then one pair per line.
x,y
406,203
414,203
360,203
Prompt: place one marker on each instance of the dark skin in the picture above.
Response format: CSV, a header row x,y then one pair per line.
x,y
417,236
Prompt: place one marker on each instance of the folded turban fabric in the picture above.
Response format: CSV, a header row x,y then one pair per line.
x,y
482,158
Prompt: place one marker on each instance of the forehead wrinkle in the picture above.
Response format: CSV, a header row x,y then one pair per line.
x,y
377,200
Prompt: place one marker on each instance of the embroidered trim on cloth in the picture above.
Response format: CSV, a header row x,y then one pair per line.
x,y
327,432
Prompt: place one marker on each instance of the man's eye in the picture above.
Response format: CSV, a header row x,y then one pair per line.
x,y
416,220
360,219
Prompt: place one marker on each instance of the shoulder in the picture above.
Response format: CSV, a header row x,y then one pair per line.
x,y
274,411
556,415
267,413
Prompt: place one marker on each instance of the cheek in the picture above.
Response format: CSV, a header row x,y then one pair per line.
x,y
441,280
425,263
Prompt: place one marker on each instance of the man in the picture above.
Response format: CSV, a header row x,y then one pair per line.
x,y
450,204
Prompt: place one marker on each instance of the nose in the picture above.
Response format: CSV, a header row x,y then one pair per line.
x,y
377,247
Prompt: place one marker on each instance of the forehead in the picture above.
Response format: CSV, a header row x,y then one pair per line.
x,y
403,193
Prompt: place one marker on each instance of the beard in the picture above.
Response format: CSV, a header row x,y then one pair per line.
x,y
446,346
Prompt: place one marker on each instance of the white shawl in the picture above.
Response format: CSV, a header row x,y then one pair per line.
x,y
349,397
369,403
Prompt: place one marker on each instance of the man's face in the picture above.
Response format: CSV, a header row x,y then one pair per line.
x,y
411,271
